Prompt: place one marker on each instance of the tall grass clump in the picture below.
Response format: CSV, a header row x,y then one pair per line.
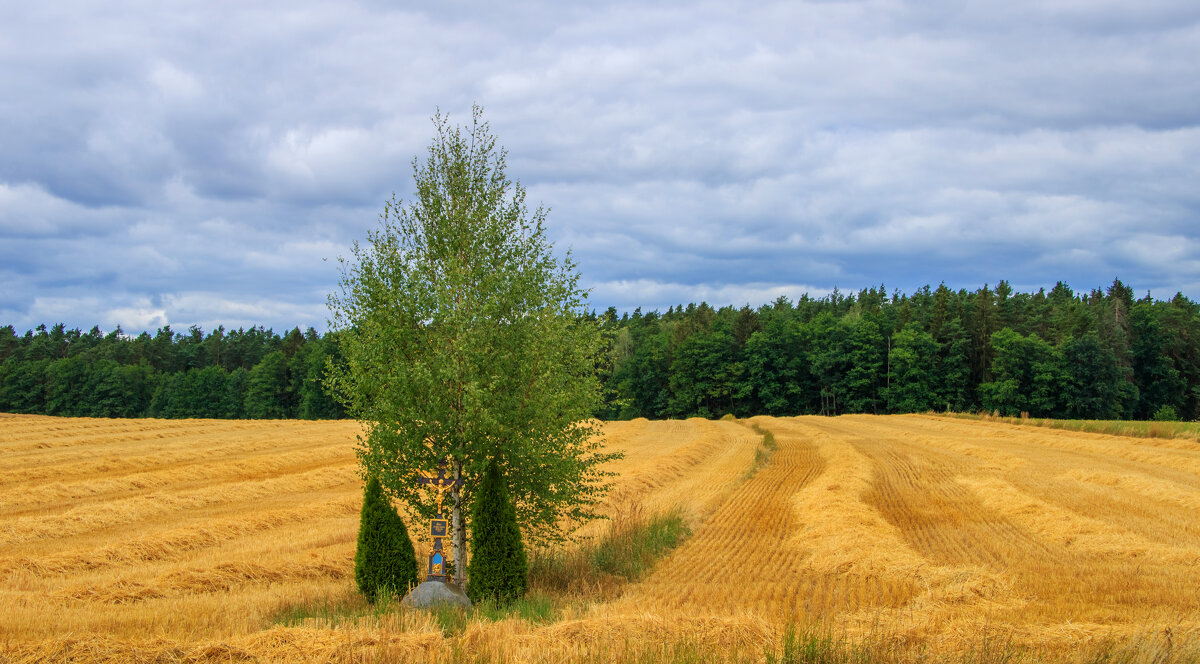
x,y
762,455
598,568
335,611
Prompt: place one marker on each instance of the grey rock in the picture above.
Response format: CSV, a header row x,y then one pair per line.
x,y
430,593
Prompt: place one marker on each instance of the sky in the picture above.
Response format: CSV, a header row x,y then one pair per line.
x,y
207,163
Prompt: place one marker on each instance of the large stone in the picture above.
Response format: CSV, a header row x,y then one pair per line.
x,y
431,593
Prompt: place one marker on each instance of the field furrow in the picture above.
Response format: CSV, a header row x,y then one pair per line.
x,y
736,557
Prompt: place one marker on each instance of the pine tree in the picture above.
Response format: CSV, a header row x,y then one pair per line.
x,y
385,560
498,569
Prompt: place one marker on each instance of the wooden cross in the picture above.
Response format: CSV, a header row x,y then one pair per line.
x,y
441,483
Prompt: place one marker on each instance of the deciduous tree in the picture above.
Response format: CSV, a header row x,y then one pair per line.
x,y
462,338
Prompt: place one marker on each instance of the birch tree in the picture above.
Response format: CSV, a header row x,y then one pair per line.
x,y
463,338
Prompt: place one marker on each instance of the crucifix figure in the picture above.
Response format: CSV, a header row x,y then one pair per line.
x,y
438,527
441,484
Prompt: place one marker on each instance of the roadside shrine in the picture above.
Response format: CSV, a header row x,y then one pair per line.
x,y
439,526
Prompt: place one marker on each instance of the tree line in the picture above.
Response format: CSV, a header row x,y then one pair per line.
x,y
1100,354
253,373
1090,355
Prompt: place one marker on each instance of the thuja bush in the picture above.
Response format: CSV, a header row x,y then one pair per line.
x,y
385,562
498,571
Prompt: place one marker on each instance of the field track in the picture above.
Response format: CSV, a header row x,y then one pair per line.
x,y
127,538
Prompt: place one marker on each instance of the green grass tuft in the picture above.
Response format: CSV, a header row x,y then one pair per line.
x,y
762,455
329,612
534,608
630,552
599,568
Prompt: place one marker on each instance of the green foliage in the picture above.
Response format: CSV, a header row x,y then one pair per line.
x,y
72,373
1165,414
777,373
626,553
235,393
266,388
815,355
307,369
630,552
535,609
1155,374
951,375
912,383
864,350
498,571
643,378
831,355
1027,376
335,612
762,454
1093,388
704,375
384,561
462,336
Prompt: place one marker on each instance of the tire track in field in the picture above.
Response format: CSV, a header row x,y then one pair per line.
x,y
960,511
915,490
737,556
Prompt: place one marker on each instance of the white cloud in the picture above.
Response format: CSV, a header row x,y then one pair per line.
x,y
175,83
140,316
649,295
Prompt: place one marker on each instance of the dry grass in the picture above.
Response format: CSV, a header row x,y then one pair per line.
x,y
910,538
1130,428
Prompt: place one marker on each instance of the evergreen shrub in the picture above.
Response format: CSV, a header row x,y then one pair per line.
x,y
384,562
498,571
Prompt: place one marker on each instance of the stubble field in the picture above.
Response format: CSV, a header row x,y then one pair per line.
x,y
187,540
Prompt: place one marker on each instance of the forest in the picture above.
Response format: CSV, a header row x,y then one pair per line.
x,y
251,373
1100,354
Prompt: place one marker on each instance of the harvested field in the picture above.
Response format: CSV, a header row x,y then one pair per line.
x,y
187,539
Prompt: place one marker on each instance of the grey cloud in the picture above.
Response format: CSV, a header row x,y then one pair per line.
x,y
171,163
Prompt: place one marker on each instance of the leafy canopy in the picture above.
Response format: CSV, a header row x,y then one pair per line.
x,y
463,336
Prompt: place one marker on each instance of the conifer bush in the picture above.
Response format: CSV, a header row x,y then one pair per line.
x,y
384,561
498,571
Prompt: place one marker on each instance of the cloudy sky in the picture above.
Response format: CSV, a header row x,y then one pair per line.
x,y
206,163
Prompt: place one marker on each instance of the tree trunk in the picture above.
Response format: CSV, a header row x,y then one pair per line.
x,y
459,528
